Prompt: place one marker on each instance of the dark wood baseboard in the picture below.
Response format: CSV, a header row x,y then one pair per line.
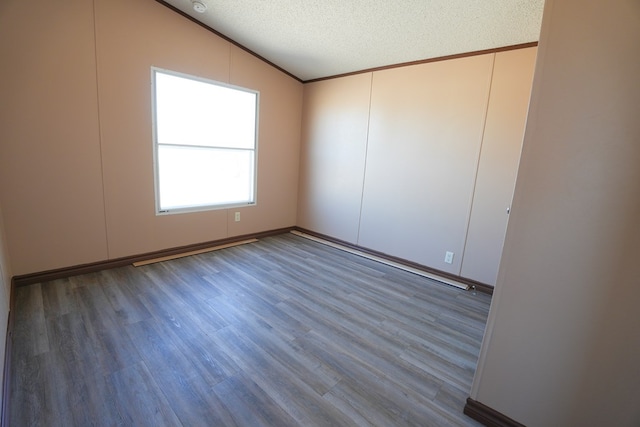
x,y
473,284
6,378
61,273
488,416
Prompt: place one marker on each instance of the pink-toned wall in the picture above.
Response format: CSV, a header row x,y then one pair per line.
x,y
417,161
332,159
498,163
50,168
562,343
76,163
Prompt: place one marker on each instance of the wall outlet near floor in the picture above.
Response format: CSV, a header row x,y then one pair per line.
x,y
237,217
448,257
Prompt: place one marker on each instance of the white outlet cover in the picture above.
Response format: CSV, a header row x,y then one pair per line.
x,y
448,257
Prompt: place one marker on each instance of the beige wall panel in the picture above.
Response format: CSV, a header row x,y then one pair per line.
x,y
50,174
132,36
424,141
334,141
278,144
499,159
562,346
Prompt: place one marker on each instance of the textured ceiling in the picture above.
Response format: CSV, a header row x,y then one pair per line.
x,y
319,38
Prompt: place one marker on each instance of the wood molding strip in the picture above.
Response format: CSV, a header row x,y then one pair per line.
x,y
472,284
6,378
230,40
426,61
488,416
385,261
61,273
199,251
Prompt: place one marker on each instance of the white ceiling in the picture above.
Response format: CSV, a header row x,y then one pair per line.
x,y
319,38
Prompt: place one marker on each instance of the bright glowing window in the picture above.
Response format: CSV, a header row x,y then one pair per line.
x,y
205,143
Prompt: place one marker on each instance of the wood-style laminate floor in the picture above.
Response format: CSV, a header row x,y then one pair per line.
x,y
282,332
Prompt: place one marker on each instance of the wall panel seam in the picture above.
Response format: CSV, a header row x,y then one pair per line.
x,y
104,199
479,156
366,151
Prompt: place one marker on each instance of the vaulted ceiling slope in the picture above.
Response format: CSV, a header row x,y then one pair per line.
x,y
313,39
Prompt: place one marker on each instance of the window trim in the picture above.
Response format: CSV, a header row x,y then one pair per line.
x,y
154,142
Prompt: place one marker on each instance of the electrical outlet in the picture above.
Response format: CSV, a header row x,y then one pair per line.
x,y
237,217
448,257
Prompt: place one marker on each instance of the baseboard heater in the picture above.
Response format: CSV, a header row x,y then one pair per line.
x,y
398,265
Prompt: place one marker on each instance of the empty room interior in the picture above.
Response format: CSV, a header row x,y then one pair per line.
x,y
320,213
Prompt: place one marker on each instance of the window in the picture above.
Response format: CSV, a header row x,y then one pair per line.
x,y
205,143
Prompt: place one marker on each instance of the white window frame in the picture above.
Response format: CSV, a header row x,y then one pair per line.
x,y
156,166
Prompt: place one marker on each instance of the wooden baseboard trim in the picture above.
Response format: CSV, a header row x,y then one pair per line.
x,y
472,284
61,273
6,378
488,416
401,266
480,287
190,253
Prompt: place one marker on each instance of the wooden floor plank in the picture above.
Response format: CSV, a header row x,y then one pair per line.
x,y
293,395
139,399
282,332
58,298
29,322
249,405
125,302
